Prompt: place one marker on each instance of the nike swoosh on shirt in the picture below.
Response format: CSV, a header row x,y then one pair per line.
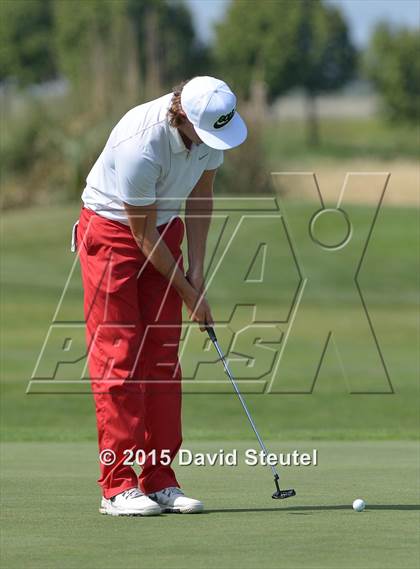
x,y
204,155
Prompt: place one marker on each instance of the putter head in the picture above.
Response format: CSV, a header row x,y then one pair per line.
x,y
283,494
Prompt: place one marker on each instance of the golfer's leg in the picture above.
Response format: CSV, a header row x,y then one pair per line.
x,y
110,264
161,310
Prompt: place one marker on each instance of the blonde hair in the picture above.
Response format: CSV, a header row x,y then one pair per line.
x,y
175,110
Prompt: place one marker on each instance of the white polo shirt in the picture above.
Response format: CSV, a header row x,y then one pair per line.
x,y
145,161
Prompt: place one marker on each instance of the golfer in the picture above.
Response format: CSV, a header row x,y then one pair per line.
x,y
129,239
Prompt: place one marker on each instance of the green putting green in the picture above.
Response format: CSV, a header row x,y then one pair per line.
x,y
366,443
51,514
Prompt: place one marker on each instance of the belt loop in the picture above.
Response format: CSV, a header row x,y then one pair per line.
x,y
73,246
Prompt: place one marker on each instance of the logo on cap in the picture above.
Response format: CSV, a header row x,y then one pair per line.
x,y
224,119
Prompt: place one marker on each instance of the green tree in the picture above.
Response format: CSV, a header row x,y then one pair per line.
x,y
392,63
26,47
102,45
93,50
286,45
324,56
166,40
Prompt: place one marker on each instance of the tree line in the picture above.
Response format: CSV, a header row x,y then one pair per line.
x,y
115,54
140,47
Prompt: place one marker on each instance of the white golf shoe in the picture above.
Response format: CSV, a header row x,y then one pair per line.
x,y
172,499
131,502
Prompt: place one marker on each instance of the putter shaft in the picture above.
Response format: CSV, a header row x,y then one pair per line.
x,y
242,400
279,494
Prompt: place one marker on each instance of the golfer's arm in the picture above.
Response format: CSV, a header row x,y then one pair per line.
x,y
198,211
142,222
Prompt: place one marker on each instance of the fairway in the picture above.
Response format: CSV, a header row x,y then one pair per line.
x,y
209,284
55,523
367,445
33,287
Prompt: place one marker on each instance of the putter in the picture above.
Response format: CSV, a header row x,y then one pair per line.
x,y
278,494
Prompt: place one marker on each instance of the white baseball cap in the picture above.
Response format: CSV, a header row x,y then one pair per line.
x,y
211,107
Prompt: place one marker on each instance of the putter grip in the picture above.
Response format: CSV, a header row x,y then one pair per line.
x,y
211,333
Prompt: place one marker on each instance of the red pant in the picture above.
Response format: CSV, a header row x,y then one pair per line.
x,y
133,324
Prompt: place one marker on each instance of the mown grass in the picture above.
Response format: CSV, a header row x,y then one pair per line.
x,y
53,520
342,139
37,262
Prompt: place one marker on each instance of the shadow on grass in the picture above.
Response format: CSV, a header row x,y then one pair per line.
x,y
295,509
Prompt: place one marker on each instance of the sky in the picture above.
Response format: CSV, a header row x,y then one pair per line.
x,y
362,15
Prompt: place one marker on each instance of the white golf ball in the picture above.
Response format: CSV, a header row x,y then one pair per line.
x,y
359,505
